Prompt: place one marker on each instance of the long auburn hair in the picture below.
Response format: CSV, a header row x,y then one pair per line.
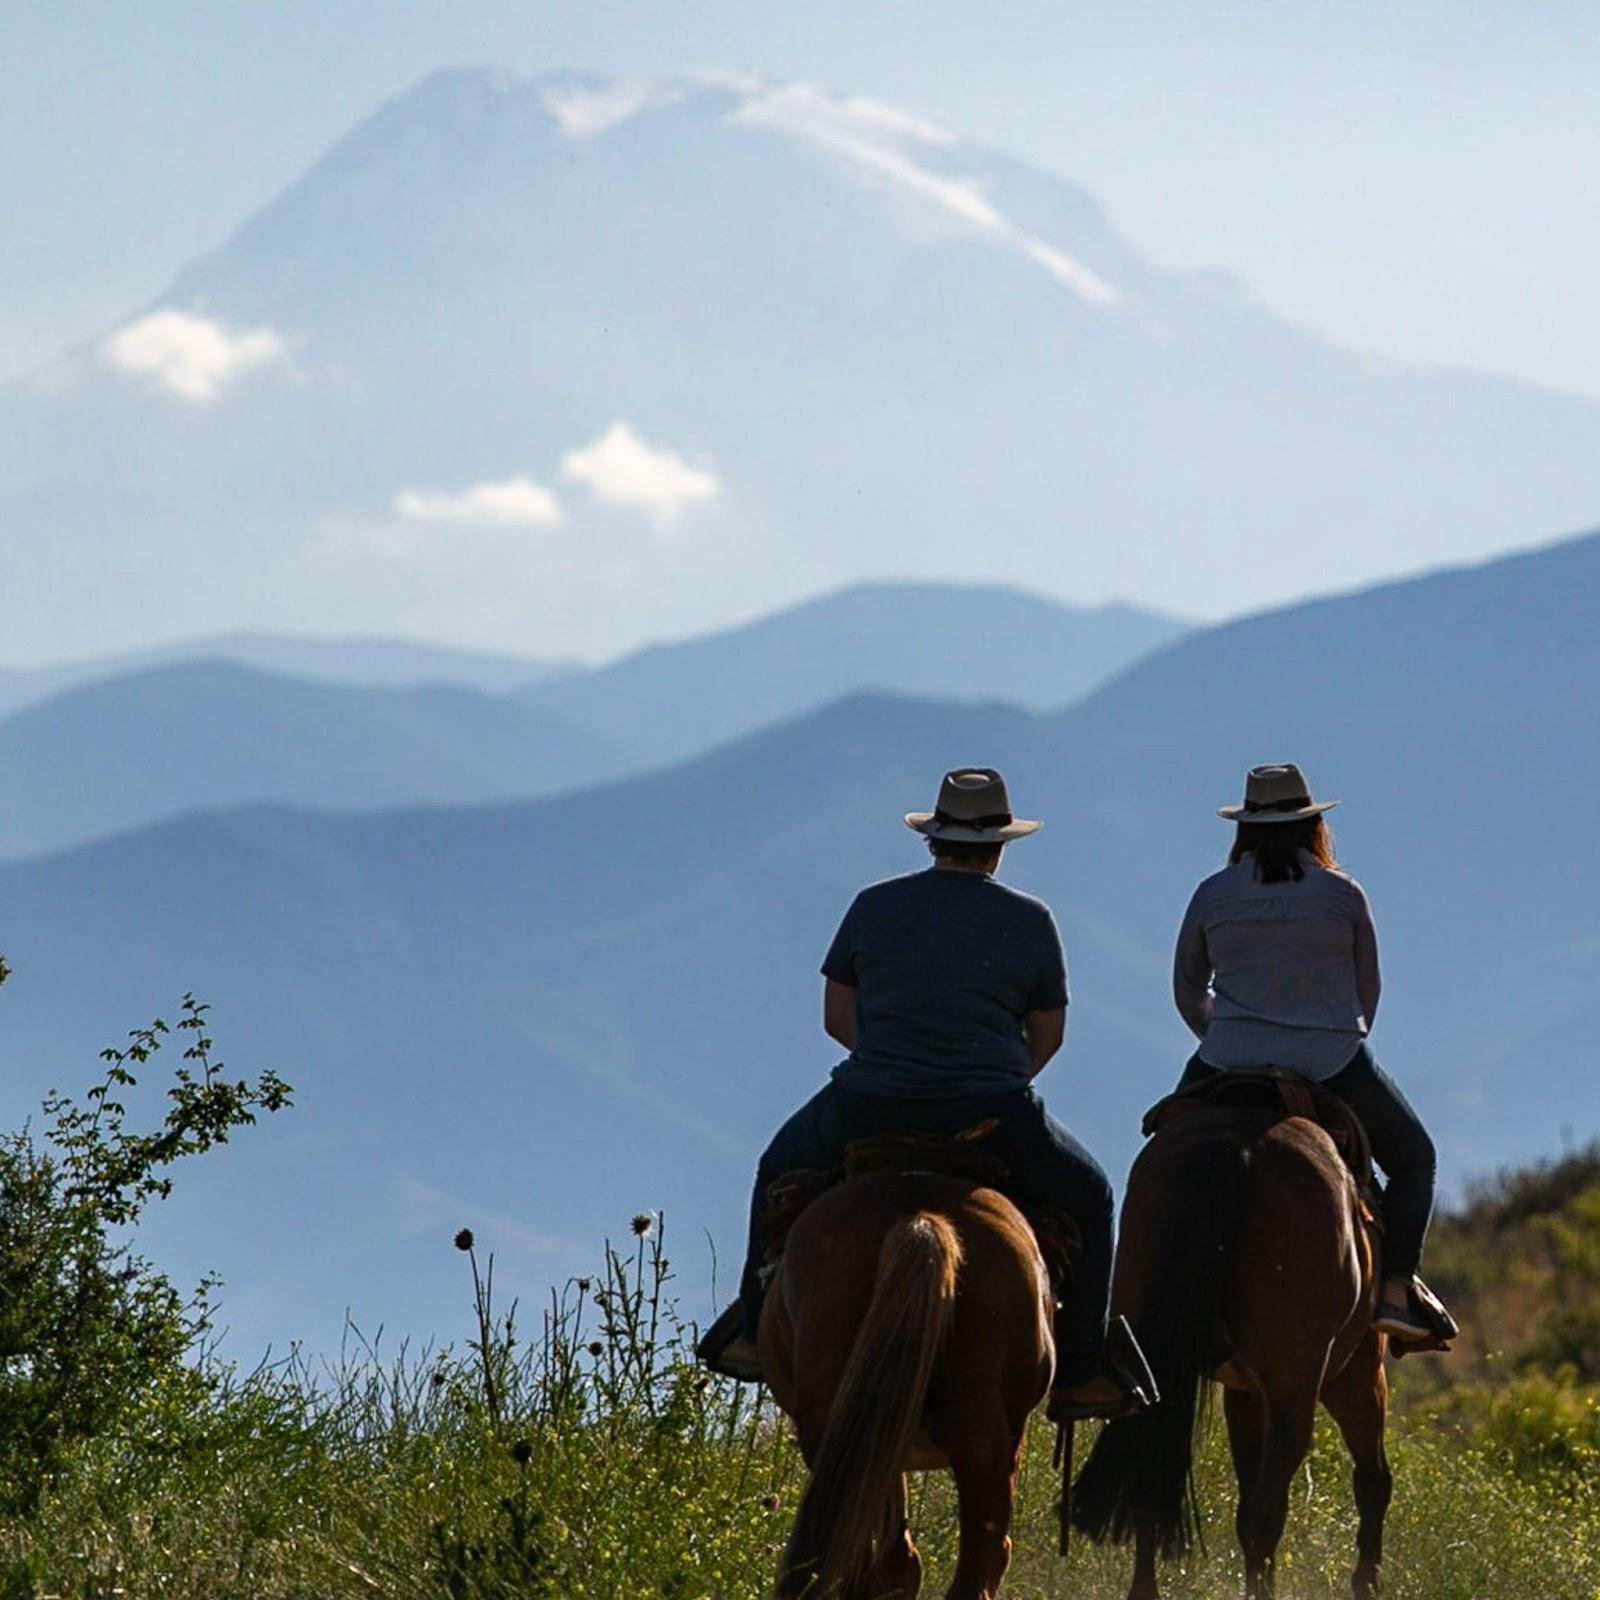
x,y
1276,847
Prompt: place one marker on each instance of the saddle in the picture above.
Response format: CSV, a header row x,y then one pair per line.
x,y
1272,1089
960,1155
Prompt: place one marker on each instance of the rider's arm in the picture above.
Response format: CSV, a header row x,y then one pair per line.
x,y
839,1012
1368,983
839,991
1044,1031
1191,973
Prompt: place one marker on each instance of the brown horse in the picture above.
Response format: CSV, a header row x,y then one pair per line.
x,y
908,1328
1246,1256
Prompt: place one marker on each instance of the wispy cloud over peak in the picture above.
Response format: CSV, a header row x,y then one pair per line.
x,y
583,110
892,149
621,469
507,503
191,358
1070,271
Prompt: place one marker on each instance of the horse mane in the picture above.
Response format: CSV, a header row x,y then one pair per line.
x,y
1141,1467
876,1411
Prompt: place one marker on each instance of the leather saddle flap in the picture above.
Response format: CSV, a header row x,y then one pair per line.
x,y
1271,1089
964,1155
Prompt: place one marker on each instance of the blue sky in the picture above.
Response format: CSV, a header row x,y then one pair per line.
x,y
1413,179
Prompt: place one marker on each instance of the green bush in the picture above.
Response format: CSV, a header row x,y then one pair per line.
x,y
89,1329
1538,1423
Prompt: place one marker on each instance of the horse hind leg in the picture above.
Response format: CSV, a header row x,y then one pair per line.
x,y
897,1572
1246,1417
1145,1585
984,1492
1264,1508
1358,1401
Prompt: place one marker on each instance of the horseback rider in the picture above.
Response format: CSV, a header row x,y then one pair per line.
x,y
949,991
1277,966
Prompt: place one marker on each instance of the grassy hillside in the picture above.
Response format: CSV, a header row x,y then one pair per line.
x,y
596,1460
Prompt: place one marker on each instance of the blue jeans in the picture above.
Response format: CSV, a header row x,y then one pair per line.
x,y
1047,1165
1400,1146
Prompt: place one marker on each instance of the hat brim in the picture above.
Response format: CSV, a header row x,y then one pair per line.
x,y
928,825
1244,814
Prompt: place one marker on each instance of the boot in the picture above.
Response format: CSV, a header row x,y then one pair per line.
x,y
726,1348
1123,1385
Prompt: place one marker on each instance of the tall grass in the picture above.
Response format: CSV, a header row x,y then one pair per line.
x,y
592,1458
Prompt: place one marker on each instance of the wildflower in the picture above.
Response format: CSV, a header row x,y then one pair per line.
x,y
464,1239
522,1452
596,1348
641,1224
438,1380
772,1502
583,1286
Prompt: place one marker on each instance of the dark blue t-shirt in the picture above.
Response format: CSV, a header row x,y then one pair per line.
x,y
945,965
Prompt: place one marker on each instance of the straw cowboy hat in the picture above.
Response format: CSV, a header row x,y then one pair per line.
x,y
973,808
1276,794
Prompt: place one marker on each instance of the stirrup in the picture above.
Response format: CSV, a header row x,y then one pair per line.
x,y
1123,1366
1427,1326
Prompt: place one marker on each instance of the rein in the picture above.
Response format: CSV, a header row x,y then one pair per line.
x,y
1061,1460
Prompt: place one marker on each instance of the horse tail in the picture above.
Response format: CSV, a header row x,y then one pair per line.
x,y
1140,1471
876,1411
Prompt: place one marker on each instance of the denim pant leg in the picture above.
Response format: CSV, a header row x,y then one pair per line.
x,y
1050,1166
1401,1146
815,1136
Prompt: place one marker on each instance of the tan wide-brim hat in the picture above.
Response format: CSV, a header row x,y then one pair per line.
x,y
1276,794
973,808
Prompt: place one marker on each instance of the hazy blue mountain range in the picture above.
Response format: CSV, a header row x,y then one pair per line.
x,y
378,663
152,742
959,642
584,363
538,1018
110,756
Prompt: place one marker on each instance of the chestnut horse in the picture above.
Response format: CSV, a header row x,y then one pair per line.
x,y
1246,1256
908,1328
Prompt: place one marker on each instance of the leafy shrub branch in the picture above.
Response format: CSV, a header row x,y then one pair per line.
x,y
88,1327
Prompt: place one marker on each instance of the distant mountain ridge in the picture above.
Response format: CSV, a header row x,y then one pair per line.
x,y
376,663
589,362
962,642
542,1016
107,757
146,744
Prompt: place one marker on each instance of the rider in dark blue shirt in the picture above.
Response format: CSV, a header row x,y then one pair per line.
x,y
949,990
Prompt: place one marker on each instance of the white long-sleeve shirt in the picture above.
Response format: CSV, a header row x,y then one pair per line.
x,y
1278,974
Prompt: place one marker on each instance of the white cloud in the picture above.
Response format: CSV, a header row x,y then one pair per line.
x,y
872,136
620,469
1090,285
509,503
192,358
583,110
883,144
